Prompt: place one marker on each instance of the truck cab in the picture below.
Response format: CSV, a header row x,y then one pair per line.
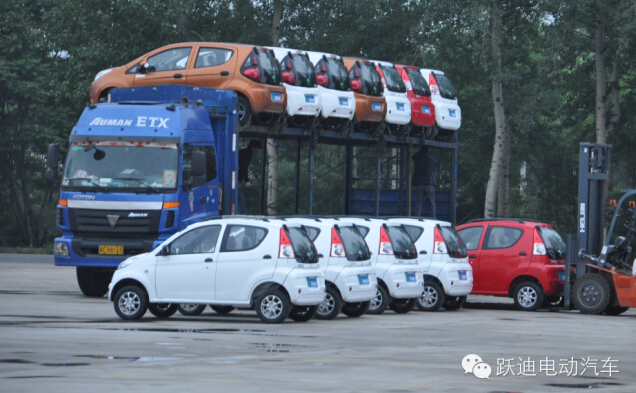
x,y
140,169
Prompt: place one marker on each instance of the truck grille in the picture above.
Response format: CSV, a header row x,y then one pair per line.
x,y
114,221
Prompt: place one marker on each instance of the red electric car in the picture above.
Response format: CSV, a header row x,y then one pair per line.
x,y
419,94
518,258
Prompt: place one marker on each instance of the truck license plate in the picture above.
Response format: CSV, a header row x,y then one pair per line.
x,y
111,250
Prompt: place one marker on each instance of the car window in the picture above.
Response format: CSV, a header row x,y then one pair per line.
x,y
363,230
242,238
401,242
414,231
197,241
471,236
355,247
554,244
209,57
302,245
171,59
501,237
454,243
312,232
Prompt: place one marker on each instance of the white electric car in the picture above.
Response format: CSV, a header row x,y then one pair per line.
x,y
267,264
299,79
398,106
448,277
395,259
448,115
338,103
346,263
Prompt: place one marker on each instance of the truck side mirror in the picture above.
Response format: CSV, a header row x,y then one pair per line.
x,y
52,160
198,169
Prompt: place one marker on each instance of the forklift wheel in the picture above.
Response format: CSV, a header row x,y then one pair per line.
x,y
591,294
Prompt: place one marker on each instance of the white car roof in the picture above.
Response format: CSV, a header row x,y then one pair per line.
x,y
420,221
384,63
280,53
315,57
431,70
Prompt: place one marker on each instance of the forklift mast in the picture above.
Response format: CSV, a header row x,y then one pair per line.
x,y
594,166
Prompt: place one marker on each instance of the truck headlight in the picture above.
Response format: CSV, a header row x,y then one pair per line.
x,y
102,73
60,249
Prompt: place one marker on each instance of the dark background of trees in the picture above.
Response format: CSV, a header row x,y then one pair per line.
x,y
50,52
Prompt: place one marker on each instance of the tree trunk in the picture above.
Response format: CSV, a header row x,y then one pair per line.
x,y
502,197
615,120
601,133
498,155
272,149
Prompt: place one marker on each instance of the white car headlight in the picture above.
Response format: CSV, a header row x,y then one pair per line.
x,y
126,263
102,73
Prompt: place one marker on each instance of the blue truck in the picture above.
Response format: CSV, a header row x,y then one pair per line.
x,y
138,169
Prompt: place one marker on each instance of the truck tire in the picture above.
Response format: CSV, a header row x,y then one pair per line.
x,y
130,303
402,306
528,296
273,306
303,313
591,294
432,297
163,310
381,301
355,310
452,303
93,281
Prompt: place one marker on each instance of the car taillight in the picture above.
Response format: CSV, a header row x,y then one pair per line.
x,y
356,85
357,73
385,243
253,73
288,77
323,67
323,80
432,83
285,250
254,60
538,247
440,245
337,249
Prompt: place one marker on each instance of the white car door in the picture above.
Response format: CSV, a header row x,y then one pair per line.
x,y
248,255
188,272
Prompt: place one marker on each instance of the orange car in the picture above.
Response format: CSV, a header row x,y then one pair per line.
x,y
252,72
367,89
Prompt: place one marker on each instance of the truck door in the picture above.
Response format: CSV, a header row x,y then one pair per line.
x,y
213,67
188,272
167,67
245,259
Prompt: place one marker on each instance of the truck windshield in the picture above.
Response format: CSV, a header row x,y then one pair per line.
x,y
306,76
401,242
392,78
269,66
446,89
454,243
554,244
122,166
420,87
355,247
302,245
338,73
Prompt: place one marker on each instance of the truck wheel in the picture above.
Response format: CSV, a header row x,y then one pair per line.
x,y
162,310
528,296
303,313
591,294
331,306
355,310
432,298
191,309
273,306
93,281
222,309
615,310
452,303
402,306
244,110
130,303
380,302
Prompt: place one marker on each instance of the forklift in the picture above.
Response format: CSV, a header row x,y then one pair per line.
x,y
602,276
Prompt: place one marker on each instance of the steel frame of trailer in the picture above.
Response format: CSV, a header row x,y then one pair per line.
x,y
349,140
